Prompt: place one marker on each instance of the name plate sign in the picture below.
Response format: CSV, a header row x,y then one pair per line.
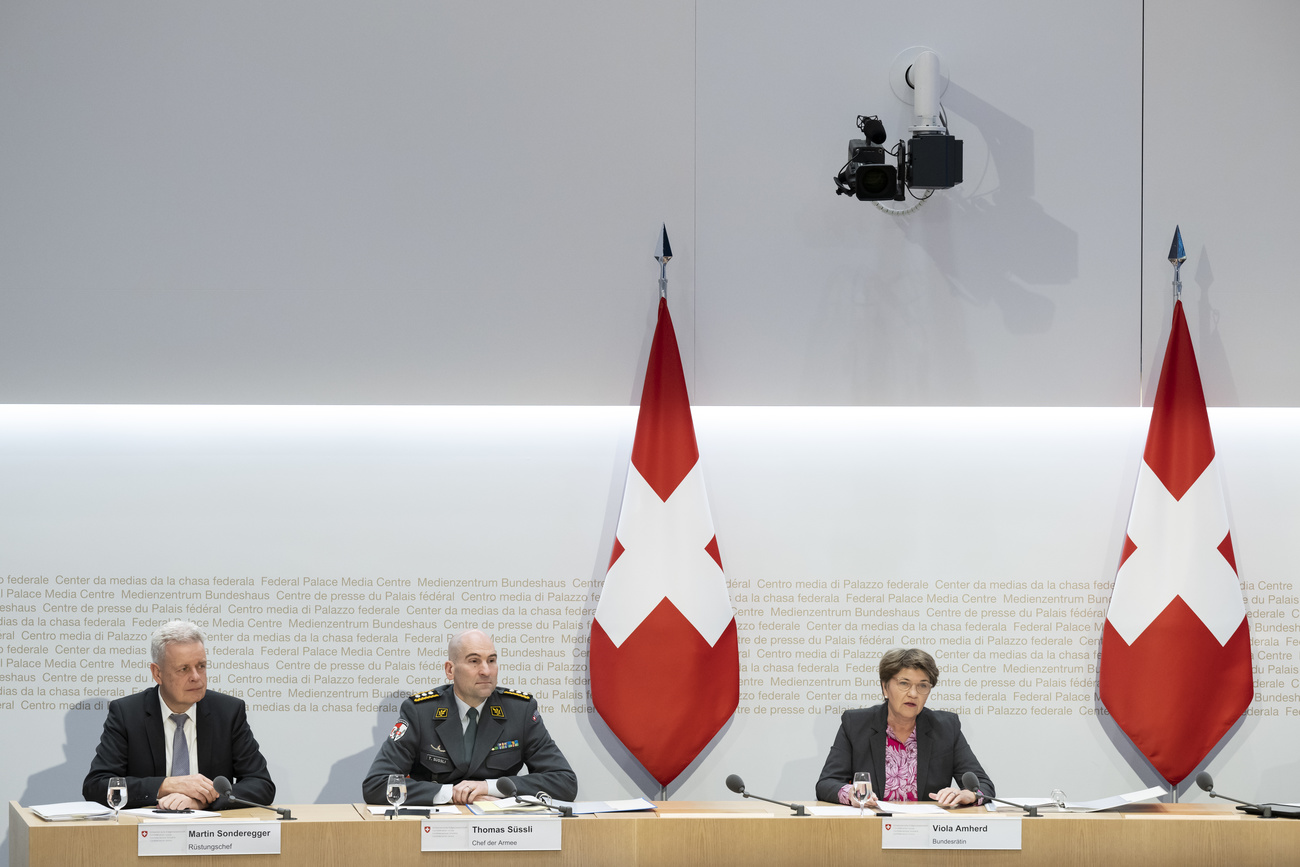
x,y
240,837
494,834
949,832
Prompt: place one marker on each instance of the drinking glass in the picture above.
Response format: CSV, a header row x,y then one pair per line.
x,y
116,793
862,791
396,791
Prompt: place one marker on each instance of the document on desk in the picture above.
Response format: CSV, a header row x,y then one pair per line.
x,y
71,811
448,809
505,805
1116,801
911,808
490,834
628,805
164,816
882,808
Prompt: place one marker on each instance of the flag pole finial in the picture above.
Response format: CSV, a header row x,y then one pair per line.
x,y
663,252
1177,256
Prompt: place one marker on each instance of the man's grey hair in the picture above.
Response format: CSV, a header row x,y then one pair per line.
x,y
173,632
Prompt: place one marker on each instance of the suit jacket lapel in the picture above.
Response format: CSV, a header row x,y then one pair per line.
x,y
450,732
153,726
489,726
202,721
924,748
876,739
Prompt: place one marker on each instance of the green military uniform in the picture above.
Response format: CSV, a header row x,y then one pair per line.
x,y
427,745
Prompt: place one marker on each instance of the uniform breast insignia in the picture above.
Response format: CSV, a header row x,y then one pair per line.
x,y
426,695
440,713
497,712
513,694
438,748
506,745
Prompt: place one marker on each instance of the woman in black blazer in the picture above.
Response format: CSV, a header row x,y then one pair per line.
x,y
912,753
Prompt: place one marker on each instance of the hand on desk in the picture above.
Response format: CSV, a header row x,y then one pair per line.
x,y
196,787
469,791
177,801
951,797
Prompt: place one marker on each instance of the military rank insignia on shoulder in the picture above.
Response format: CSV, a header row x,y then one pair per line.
x,y
513,694
426,695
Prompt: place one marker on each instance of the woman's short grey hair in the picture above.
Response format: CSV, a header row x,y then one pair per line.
x,y
173,632
896,660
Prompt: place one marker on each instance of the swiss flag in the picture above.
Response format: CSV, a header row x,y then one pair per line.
x,y
665,666
1175,650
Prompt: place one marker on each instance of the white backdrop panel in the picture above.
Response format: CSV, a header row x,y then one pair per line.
x,y
492,500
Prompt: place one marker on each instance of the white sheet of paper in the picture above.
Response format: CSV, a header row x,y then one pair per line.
x,y
71,811
153,813
911,807
1115,801
451,809
841,810
626,805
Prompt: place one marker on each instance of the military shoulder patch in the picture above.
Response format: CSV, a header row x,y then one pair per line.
x,y
426,695
513,694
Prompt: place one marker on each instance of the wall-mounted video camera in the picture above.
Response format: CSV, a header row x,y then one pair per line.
x,y
930,160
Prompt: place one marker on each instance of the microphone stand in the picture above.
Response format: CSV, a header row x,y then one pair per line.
x,y
1265,811
285,814
970,782
798,808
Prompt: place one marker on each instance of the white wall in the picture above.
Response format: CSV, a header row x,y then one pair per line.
x,y
498,493
444,204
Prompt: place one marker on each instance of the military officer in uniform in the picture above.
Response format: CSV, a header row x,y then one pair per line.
x,y
455,742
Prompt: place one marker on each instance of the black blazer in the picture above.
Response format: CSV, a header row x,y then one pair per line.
x,y
132,746
942,753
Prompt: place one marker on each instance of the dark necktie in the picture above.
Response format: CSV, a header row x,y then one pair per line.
x,y
471,731
180,747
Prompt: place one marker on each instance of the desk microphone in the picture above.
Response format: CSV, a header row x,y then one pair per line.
x,y
507,788
971,783
1206,782
737,785
222,785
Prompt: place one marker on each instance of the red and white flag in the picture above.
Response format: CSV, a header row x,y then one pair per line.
x,y
665,666
1175,650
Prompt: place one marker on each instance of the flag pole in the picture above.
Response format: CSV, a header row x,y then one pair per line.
x,y
1177,256
663,252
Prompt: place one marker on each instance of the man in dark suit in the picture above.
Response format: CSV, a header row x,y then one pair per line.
x,y
455,743
169,741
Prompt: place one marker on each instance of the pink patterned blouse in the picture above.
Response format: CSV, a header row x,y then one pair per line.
x,y
900,770
900,767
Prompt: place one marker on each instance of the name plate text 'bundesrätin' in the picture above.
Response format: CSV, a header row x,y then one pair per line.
x,y
208,838
484,834
950,832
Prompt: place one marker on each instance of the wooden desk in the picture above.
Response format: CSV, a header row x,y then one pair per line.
x,y
710,834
